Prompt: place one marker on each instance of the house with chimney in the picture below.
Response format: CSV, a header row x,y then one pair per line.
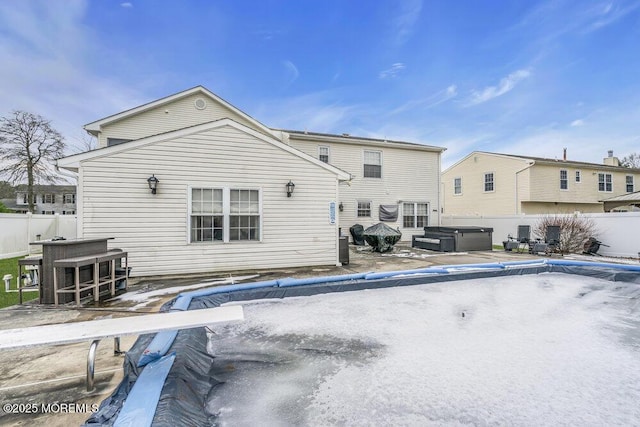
x,y
484,183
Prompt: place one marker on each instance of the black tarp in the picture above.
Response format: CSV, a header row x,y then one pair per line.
x,y
382,237
357,232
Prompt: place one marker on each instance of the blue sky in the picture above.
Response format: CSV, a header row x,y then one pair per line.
x,y
518,77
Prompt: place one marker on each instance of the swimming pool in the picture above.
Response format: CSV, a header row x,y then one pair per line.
x,y
533,343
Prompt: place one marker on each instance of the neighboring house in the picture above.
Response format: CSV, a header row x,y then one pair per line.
x,y
47,199
501,184
195,140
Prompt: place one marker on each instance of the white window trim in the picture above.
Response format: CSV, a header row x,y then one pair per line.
x,y
415,214
370,208
454,186
566,179
328,152
381,164
633,183
226,213
605,182
484,181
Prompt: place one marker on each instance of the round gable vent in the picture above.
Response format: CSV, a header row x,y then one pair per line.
x,y
200,104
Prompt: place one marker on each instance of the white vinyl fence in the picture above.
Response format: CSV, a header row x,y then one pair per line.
x,y
18,230
619,230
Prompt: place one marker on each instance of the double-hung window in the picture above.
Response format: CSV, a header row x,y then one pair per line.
x,y
415,215
372,164
224,214
323,153
69,198
564,180
364,209
49,198
488,182
244,215
457,185
605,182
629,182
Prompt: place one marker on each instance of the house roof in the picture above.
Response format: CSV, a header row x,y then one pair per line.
x,y
73,162
95,127
47,188
558,162
621,200
346,138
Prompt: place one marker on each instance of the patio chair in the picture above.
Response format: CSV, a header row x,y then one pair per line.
x,y
524,237
521,242
551,241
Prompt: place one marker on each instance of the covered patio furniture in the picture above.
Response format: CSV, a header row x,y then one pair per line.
x,y
382,237
551,241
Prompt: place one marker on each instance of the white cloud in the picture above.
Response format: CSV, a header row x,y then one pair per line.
x,y
577,123
430,101
291,71
45,51
405,21
392,73
507,84
126,4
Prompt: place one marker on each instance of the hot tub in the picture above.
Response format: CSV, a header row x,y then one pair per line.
x,y
465,238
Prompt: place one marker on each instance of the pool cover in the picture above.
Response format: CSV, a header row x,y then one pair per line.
x,y
211,365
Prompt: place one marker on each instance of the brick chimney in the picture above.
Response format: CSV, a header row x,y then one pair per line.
x,y
610,160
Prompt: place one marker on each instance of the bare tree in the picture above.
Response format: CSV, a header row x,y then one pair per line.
x,y
29,147
574,231
631,161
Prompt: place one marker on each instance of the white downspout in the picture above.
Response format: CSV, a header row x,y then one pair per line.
x,y
533,162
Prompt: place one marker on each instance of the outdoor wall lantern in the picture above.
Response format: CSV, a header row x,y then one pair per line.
x,y
153,183
341,207
290,187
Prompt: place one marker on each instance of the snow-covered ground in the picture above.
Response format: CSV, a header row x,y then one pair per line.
x,y
548,349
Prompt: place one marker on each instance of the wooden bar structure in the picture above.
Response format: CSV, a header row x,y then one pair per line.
x,y
74,262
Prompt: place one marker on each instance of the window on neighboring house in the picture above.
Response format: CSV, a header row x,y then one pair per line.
x,y
578,176
223,214
244,215
25,199
48,212
323,153
69,198
457,185
48,198
373,164
605,182
564,180
415,215
630,184
364,209
116,141
68,212
488,182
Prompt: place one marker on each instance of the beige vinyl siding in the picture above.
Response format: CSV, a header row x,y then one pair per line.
x,y
407,175
583,196
154,228
178,114
474,200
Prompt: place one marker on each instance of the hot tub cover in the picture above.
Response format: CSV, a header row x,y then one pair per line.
x,y
382,237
